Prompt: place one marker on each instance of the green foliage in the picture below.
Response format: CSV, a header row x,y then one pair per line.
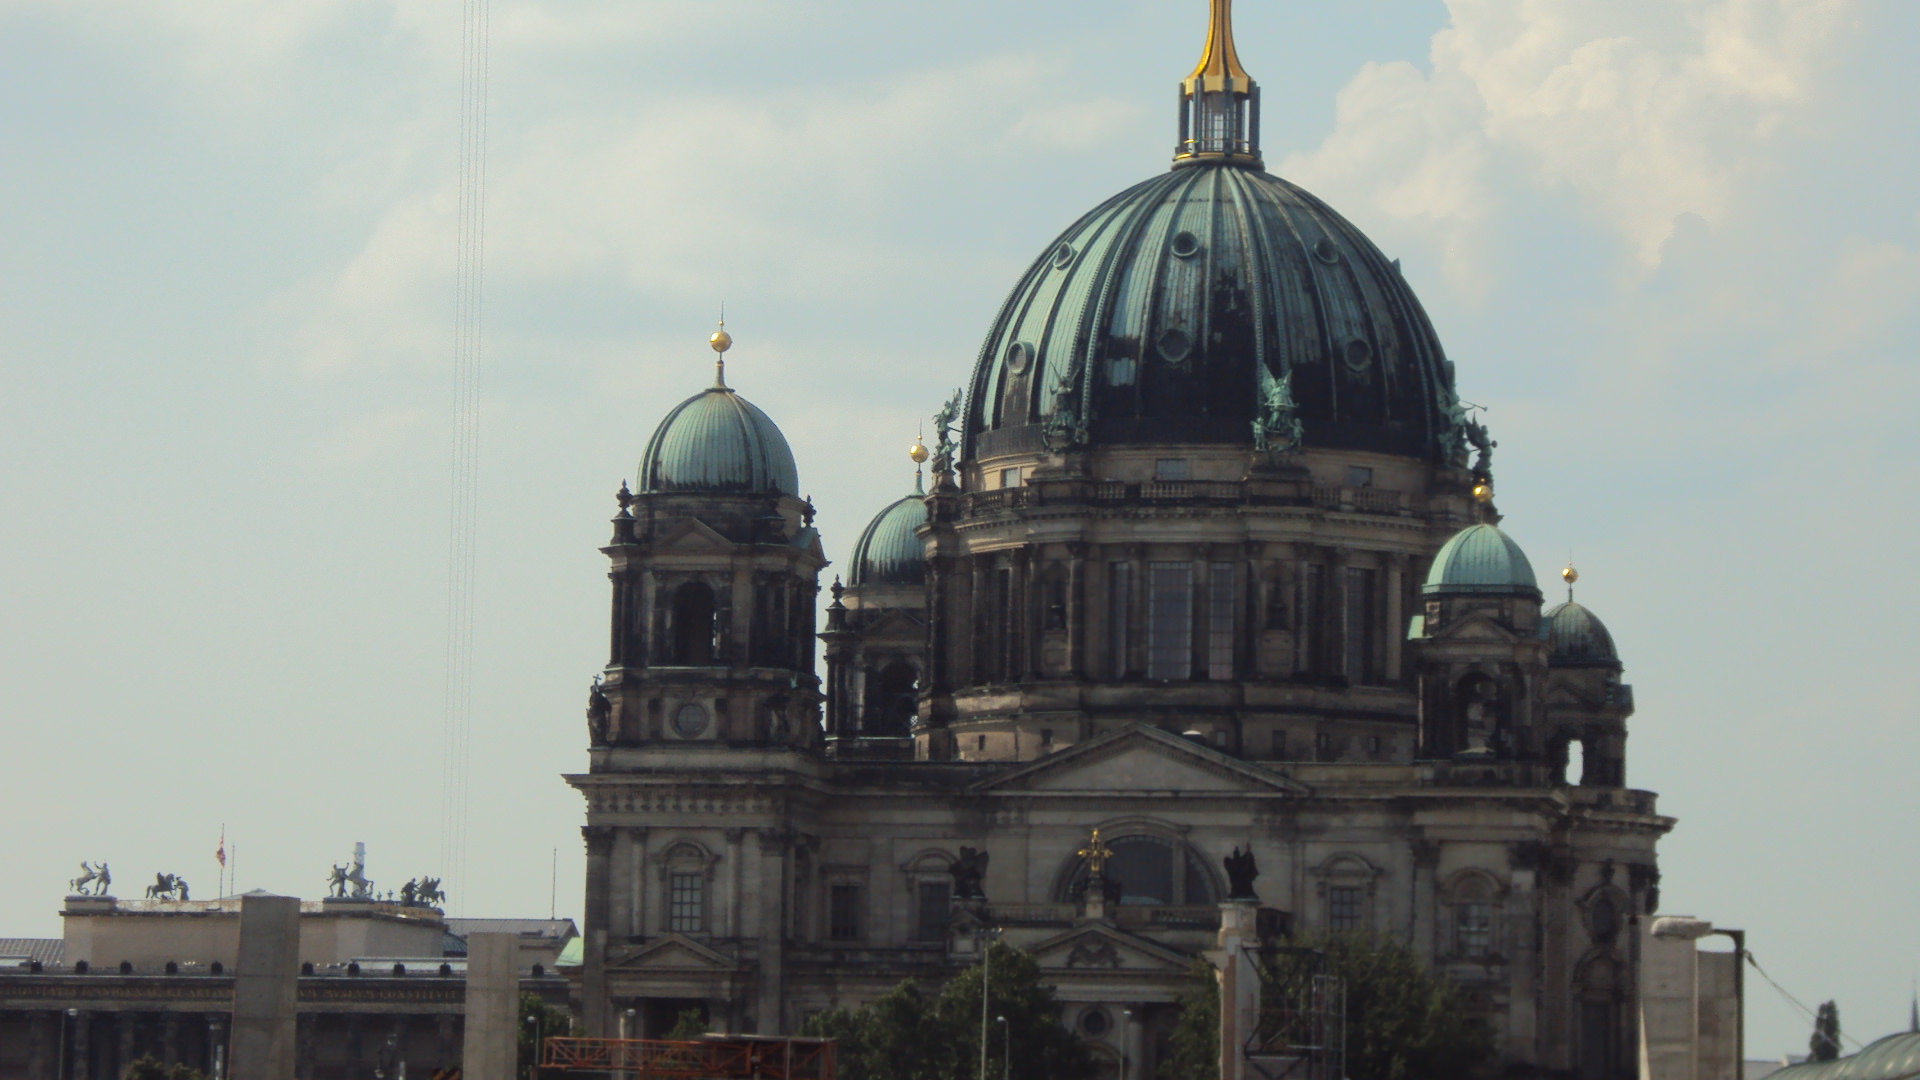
x,y
547,1021
907,1035
1825,1044
1403,1021
689,1025
147,1068
1195,1049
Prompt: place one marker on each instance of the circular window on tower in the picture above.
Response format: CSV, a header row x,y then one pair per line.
x,y
1019,357
1096,1022
1063,256
690,721
1326,251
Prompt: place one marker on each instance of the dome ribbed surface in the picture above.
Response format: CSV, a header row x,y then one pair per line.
x,y
1147,321
1578,636
1481,559
888,552
718,442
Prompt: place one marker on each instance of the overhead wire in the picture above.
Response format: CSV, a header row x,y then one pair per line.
x,y
1812,1015
464,473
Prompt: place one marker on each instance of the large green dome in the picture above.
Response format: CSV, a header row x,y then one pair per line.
x,y
888,552
718,442
1481,559
1149,321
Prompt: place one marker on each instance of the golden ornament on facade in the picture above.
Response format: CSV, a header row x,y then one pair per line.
x,y
1483,493
1569,575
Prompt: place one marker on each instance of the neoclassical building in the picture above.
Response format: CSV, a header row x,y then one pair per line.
x,y
1207,558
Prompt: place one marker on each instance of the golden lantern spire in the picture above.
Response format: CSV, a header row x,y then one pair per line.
x,y
1219,102
721,342
1219,65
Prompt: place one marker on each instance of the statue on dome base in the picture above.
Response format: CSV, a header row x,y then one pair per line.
x,y
943,422
1278,426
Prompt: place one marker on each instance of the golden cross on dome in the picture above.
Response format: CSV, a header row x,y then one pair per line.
x,y
1096,854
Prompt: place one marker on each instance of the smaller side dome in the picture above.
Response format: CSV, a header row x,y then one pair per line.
x,y
1481,559
717,442
888,552
1579,637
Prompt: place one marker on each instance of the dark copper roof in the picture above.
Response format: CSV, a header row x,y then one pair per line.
x,y
1144,323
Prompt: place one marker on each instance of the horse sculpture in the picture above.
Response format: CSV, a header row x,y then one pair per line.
x,y
97,876
163,888
430,893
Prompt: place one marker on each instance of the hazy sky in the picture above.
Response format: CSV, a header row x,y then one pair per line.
x,y
1673,245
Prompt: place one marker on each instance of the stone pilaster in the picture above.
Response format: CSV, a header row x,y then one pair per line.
x,y
593,975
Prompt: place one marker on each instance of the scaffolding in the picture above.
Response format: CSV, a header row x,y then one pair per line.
x,y
716,1057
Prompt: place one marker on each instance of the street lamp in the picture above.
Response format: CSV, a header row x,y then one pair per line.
x,y
534,1068
66,1019
1006,1044
987,934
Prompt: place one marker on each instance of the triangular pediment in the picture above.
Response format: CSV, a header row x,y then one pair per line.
x,y
674,952
692,535
1141,758
1097,947
1477,626
896,624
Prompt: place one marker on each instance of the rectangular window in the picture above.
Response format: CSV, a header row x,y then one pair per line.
x,y
1279,746
930,924
1012,478
843,913
1313,616
1167,469
1343,909
999,624
687,903
1170,621
1119,612
1473,928
1220,604
1362,627
1359,476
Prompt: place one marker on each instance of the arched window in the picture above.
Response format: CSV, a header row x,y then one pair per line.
x,y
892,700
1471,904
1600,1011
693,625
686,878
1151,871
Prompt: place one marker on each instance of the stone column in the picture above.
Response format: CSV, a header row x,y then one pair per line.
x,y
1134,648
1239,985
1523,1011
1396,622
217,1061
593,975
170,1038
123,1029
1133,1044
1027,603
636,847
493,1007
1426,862
1076,610
770,1010
731,922
80,1046
266,992
40,1047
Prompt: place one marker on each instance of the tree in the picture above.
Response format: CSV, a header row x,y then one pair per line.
x,y
1195,1043
147,1068
538,1020
906,1035
1403,1021
1825,1044
689,1025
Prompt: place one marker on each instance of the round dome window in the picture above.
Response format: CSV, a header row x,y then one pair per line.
x,y
690,721
1175,345
1019,357
1326,252
1185,245
1359,355
1063,256
1096,1022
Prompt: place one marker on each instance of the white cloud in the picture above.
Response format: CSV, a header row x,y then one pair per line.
x,y
1644,110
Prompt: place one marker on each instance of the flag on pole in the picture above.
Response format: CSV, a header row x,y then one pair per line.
x,y
220,853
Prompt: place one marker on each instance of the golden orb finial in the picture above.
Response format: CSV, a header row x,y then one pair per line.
x,y
918,452
1569,575
721,340
1483,492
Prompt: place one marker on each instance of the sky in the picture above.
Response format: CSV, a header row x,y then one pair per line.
x,y
1672,245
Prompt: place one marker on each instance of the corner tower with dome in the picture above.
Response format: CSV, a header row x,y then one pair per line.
x,y
1207,558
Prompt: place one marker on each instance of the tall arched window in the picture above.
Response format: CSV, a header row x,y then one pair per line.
x,y
1600,1015
892,700
1151,871
693,625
